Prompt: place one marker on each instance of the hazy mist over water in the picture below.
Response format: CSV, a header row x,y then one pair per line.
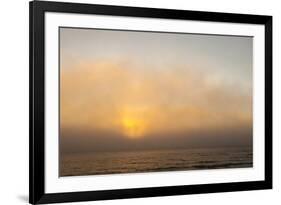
x,y
133,101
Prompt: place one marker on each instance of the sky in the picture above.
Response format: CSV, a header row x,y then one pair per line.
x,y
132,90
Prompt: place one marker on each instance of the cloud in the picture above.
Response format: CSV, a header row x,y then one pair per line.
x,y
103,95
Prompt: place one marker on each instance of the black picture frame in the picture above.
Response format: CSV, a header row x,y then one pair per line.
x,y
37,9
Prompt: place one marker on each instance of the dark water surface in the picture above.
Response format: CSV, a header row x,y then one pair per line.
x,y
154,161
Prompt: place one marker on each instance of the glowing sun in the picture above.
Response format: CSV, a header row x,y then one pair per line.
x,y
133,127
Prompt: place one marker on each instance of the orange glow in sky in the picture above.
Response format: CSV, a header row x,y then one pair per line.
x,y
138,85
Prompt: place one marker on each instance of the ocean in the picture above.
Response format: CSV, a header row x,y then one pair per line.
x,y
154,161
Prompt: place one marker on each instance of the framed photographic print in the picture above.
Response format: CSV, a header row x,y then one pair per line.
x,y
140,102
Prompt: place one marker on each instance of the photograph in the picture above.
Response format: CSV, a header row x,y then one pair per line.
x,y
133,101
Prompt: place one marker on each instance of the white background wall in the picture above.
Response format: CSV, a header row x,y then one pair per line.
x,y
14,100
